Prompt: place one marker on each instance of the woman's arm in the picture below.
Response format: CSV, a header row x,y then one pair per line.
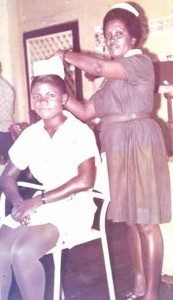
x,y
93,65
8,183
21,209
82,110
83,181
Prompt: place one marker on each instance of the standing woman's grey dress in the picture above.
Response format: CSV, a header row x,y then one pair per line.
x,y
137,158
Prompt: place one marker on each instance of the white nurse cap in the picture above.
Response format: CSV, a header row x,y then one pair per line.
x,y
51,66
128,7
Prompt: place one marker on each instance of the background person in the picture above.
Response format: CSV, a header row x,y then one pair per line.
x,y
133,141
7,98
61,153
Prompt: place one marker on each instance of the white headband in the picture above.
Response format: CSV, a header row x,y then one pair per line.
x,y
128,7
51,66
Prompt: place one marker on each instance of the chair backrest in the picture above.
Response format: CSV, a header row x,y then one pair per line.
x,y
102,178
16,129
101,189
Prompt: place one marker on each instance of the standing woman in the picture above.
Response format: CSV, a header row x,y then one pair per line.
x,y
133,141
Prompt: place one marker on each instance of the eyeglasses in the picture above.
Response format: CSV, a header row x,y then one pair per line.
x,y
117,35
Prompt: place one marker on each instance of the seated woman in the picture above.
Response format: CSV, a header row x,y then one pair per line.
x,y
61,153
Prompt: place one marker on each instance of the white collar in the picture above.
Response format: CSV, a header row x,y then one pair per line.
x,y
133,52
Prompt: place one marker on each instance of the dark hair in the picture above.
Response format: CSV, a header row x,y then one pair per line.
x,y
51,79
132,23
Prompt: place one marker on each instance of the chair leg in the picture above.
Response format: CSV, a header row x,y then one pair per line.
x,y
62,294
57,274
108,267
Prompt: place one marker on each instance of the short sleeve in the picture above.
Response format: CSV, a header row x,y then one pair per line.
x,y
19,151
139,69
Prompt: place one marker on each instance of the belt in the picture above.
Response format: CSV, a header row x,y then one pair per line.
x,y
125,117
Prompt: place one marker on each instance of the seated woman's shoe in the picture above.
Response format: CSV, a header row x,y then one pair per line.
x,y
132,296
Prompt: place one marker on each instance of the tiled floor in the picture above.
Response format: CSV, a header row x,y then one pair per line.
x,y
84,275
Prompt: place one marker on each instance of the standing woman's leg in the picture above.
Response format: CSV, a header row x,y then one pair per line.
x,y
134,242
152,246
26,252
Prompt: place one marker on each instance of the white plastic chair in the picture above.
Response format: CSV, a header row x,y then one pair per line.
x,y
100,191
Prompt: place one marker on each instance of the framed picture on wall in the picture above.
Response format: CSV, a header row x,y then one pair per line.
x,y
42,43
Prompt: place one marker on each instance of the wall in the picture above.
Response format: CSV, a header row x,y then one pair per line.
x,y
11,55
26,15
5,49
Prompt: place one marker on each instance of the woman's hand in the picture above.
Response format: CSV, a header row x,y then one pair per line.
x,y
90,77
59,53
21,212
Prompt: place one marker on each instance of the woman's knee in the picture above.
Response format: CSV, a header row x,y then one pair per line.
x,y
50,235
19,253
34,244
132,229
6,242
5,255
148,229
